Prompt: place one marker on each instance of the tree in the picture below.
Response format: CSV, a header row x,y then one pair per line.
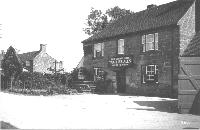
x,y
97,20
116,13
11,64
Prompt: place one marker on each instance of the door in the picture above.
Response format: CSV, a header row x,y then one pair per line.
x,y
189,83
121,81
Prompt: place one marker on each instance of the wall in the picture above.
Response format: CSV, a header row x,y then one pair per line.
x,y
187,28
42,62
197,15
168,38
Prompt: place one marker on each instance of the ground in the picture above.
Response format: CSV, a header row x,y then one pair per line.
x,y
90,111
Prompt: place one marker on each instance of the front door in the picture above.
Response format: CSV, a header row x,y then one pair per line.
x,y
121,81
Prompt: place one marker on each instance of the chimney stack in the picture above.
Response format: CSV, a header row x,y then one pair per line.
x,y
2,52
43,47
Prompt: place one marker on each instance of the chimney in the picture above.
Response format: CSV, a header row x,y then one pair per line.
x,y
151,6
2,52
43,47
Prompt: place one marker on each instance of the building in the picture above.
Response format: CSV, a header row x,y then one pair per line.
x,y
140,52
1,71
40,61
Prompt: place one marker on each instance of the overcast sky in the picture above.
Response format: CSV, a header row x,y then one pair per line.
x,y
58,23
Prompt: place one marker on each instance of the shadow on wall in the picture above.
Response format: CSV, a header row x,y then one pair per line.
x,y
195,109
170,106
5,125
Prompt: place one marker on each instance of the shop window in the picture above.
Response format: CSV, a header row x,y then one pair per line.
x,y
150,74
120,46
149,42
99,50
98,74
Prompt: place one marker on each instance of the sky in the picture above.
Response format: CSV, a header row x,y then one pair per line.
x,y
25,24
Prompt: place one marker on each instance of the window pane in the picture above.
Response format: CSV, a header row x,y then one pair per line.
x,y
27,63
150,38
151,46
121,46
98,49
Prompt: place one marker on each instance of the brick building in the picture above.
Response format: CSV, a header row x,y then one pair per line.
x,y
140,52
39,61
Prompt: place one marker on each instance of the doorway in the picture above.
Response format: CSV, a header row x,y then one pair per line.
x,y
121,81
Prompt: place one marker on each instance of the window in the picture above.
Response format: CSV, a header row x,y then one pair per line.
x,y
98,74
150,42
120,46
80,74
150,73
28,63
99,50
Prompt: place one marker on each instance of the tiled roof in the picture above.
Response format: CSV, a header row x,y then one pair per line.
x,y
159,16
193,49
28,56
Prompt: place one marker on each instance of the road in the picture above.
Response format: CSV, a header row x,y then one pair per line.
x,y
90,111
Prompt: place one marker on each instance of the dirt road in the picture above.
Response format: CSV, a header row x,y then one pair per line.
x,y
91,111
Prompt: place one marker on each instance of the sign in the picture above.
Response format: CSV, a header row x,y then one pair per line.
x,y
120,61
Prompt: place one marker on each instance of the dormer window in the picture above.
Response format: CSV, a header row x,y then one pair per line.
x,y
149,42
120,46
98,50
28,63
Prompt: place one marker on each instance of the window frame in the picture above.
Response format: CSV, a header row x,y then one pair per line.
x,y
151,45
101,50
28,63
149,75
120,47
98,73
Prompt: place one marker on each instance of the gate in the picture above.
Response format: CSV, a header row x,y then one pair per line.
x,y
189,82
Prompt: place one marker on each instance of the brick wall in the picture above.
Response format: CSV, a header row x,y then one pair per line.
x,y
168,39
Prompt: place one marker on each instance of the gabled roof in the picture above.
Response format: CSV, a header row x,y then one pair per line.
x,y
159,16
28,56
193,49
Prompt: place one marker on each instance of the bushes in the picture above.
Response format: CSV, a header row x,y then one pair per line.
x,y
34,80
38,84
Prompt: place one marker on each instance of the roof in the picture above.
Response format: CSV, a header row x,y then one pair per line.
x,y
80,64
28,56
159,16
193,48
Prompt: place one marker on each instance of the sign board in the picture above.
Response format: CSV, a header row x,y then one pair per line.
x,y
122,61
